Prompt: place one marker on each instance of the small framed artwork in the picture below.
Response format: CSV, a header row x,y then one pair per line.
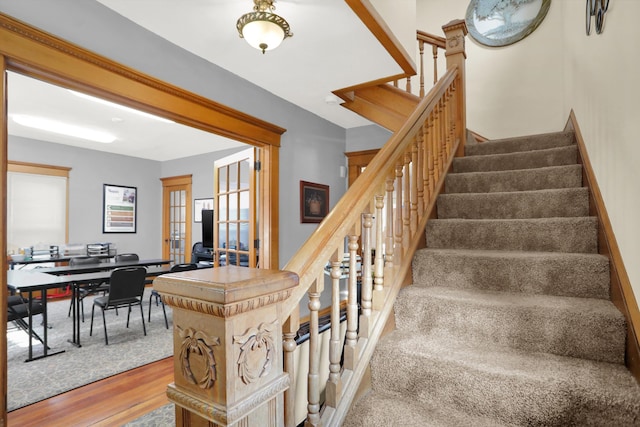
x,y
119,209
314,201
198,206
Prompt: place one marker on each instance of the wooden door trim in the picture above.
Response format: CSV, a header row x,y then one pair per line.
x,y
38,54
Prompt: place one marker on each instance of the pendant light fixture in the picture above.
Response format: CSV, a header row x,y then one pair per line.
x,y
262,28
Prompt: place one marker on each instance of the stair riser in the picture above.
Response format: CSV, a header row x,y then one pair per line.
x,y
524,143
518,180
511,399
572,202
553,234
525,160
572,276
565,331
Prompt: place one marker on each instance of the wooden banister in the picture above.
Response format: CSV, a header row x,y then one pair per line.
x,y
241,318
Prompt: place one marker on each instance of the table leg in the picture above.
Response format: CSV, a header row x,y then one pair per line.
x,y
45,344
75,296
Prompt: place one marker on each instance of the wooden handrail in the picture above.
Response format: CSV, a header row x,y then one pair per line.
x,y
331,231
432,39
379,220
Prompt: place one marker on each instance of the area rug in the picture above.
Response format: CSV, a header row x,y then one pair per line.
x,y
165,416
30,382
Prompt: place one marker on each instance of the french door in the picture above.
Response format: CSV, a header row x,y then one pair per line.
x,y
176,218
235,209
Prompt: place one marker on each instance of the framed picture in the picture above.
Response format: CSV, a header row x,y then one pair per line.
x,y
501,23
198,206
119,209
314,201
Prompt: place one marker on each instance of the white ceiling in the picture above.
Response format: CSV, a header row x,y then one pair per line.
x,y
330,49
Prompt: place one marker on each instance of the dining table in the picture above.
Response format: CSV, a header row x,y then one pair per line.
x,y
29,282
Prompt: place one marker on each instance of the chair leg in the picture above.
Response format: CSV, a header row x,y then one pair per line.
x,y
144,328
150,298
93,309
128,315
166,322
104,322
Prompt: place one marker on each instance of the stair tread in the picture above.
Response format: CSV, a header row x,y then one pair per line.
x,y
564,176
522,143
581,306
487,253
517,160
544,203
546,369
389,409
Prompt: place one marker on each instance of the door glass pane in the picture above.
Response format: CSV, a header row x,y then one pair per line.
x,y
222,179
233,207
233,176
222,208
244,205
244,174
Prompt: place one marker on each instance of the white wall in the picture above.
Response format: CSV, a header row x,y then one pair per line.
x,y
512,90
400,17
601,85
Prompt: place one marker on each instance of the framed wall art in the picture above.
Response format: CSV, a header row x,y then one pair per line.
x,y
501,23
119,209
314,202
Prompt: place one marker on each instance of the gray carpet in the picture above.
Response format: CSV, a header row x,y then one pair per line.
x,y
508,321
128,348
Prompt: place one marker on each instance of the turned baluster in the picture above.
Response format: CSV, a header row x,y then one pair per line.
x,y
419,167
421,49
388,245
415,172
313,386
334,383
366,285
406,205
289,330
397,250
436,143
408,87
447,124
430,155
434,49
424,166
378,264
351,341
442,128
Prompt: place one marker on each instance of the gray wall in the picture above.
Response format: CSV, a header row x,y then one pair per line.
x,y
89,171
367,137
312,148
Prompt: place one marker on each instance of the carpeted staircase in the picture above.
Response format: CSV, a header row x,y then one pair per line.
x,y
508,321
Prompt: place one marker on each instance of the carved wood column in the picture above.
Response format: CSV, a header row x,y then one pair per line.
x,y
455,32
227,341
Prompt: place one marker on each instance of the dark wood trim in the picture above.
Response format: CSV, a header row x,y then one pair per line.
x,y
621,291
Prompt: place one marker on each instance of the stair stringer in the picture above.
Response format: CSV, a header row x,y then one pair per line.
x,y
621,291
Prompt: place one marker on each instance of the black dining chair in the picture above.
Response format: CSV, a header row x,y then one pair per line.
x,y
18,311
126,257
91,288
126,287
154,294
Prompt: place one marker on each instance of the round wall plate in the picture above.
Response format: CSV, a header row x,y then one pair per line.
x,y
500,23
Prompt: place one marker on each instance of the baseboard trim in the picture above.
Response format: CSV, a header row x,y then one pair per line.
x,y
621,291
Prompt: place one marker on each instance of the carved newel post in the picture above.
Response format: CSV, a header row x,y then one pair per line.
x,y
455,32
227,340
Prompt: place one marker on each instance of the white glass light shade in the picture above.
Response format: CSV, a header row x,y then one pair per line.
x,y
263,35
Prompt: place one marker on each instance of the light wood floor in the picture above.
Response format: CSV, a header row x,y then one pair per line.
x,y
113,401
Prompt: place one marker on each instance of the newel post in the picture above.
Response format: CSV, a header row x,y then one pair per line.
x,y
455,32
227,345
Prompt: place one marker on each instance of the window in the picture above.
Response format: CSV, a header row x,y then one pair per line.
x,y
37,200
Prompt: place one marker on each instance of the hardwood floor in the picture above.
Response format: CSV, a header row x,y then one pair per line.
x,y
113,401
